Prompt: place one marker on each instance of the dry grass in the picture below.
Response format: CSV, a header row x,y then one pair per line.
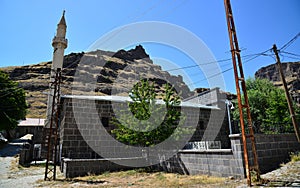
x,y
295,156
14,165
141,178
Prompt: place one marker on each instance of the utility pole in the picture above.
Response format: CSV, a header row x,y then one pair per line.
x,y
287,95
52,137
242,103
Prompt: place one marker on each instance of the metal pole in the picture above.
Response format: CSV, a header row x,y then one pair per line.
x,y
228,114
287,95
47,171
241,87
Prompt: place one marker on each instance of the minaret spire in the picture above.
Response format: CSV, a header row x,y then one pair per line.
x,y
62,20
59,44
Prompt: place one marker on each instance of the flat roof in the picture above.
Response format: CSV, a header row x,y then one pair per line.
x,y
115,98
32,122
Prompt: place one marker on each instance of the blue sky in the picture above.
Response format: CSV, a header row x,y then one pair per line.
x,y
29,26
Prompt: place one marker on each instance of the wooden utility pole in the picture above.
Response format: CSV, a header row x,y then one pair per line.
x,y
241,89
287,95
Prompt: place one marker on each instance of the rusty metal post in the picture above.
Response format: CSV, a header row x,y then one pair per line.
x,y
53,130
239,79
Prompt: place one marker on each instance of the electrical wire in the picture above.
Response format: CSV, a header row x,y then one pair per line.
x,y
217,74
297,55
289,42
295,58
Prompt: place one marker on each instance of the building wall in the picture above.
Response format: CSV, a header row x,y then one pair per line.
x,y
36,131
215,162
75,150
80,159
75,146
212,97
272,151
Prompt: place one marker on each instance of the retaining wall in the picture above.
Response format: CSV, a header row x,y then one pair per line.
x,y
272,150
81,167
215,162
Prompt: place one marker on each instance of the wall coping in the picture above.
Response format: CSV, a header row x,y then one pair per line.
x,y
206,151
275,135
235,135
114,98
263,135
103,159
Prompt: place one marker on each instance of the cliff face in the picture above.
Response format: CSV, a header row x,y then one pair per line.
x,y
93,73
292,75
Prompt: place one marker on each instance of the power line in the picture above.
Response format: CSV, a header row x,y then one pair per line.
x,y
295,58
217,74
258,55
219,61
209,77
192,66
297,55
289,42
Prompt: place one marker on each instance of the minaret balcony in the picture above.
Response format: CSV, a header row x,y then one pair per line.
x,y
59,40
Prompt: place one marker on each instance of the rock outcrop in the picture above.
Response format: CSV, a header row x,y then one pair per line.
x,y
291,71
93,73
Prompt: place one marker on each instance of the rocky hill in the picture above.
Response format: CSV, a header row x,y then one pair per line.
x,y
93,73
291,71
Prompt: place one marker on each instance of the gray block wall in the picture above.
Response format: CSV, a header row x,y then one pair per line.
x,y
82,167
80,158
216,162
272,150
75,146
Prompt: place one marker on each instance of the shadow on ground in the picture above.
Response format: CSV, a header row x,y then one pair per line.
x,y
12,148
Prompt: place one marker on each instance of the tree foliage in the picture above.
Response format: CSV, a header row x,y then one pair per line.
x,y
12,103
268,106
148,123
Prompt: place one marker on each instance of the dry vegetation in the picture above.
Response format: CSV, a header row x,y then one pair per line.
x,y
141,178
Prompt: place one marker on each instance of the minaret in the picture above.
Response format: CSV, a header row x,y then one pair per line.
x,y
59,44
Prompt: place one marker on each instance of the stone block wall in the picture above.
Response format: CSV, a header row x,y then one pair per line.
x,y
211,97
81,167
81,130
272,150
215,162
75,146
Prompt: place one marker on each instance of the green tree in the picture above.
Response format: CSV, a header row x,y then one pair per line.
x,y
139,129
268,106
12,103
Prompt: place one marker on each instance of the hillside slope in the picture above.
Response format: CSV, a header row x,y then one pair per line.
x,y
93,73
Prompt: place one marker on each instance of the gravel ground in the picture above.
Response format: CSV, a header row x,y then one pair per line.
x,y
286,176
10,174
